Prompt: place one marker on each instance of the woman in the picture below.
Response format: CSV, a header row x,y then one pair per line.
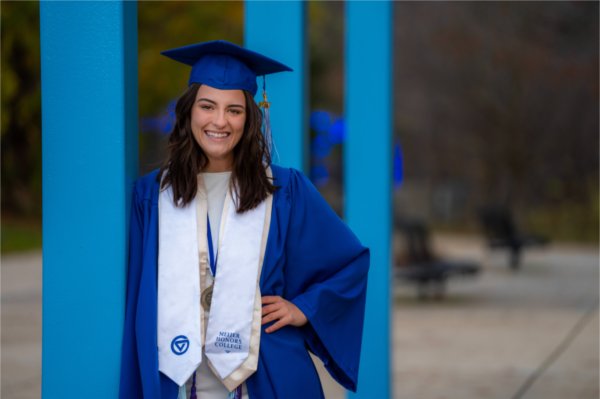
x,y
236,266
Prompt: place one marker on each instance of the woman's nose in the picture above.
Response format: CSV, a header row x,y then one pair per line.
x,y
219,119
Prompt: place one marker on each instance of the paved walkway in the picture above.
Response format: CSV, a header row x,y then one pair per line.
x,y
531,334
21,293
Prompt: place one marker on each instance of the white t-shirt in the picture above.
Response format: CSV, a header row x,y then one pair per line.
x,y
217,184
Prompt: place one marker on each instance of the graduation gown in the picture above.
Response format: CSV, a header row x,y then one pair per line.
x,y
312,259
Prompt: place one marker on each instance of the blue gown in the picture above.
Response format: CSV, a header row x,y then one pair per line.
x,y
312,259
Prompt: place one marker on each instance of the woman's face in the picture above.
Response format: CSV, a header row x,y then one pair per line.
x,y
217,120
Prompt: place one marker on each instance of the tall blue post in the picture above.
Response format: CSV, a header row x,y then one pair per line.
x,y
89,160
368,175
276,28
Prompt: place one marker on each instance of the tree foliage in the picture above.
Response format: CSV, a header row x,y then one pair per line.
x,y
494,101
498,103
21,114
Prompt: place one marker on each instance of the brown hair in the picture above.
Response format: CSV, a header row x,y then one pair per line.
x,y
186,158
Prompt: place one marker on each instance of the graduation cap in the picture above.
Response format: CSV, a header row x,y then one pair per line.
x,y
224,65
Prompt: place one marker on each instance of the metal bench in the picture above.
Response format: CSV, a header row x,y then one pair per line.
x,y
501,232
421,267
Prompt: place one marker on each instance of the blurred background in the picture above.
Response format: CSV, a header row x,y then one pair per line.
x,y
495,145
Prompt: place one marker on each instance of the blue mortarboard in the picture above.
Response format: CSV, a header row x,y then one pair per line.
x,y
224,65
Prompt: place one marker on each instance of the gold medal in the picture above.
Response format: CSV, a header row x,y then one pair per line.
x,y
207,297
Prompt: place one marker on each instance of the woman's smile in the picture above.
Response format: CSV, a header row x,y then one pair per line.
x,y
217,135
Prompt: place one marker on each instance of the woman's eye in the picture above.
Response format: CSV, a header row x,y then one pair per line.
x,y
206,107
235,111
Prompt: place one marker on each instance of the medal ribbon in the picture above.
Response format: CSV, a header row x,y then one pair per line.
x,y
211,251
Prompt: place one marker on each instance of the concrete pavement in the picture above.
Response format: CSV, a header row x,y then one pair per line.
x,y
532,334
21,328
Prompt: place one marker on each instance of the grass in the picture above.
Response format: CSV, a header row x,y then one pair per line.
x,y
20,235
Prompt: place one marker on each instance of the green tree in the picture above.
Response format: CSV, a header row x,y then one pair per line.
x,y
21,111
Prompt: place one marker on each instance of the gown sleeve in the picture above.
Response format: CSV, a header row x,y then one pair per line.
x,y
326,278
130,385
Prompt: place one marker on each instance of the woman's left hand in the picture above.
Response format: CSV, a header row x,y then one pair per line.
x,y
285,312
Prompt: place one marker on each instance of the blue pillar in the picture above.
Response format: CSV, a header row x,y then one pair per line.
x,y
277,30
89,159
368,175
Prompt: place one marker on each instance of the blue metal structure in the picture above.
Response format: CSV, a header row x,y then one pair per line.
x,y
89,158
277,29
89,142
368,175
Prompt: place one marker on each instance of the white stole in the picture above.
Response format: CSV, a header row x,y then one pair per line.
x,y
234,324
179,322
